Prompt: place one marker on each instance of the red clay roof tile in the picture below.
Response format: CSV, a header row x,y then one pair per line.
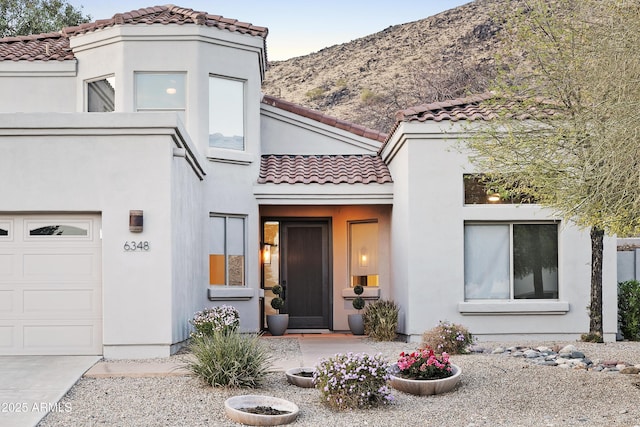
x,y
55,46
323,169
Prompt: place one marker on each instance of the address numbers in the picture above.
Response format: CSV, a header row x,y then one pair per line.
x,y
137,246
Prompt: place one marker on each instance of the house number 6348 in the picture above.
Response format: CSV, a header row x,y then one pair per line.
x,y
133,246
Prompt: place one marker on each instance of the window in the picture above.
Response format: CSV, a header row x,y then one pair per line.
x,y
161,92
227,250
478,192
511,261
363,253
226,113
101,95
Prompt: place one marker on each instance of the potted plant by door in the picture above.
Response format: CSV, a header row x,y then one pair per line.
x,y
277,323
356,324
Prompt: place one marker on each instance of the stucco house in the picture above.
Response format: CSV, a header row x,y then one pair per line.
x,y
144,176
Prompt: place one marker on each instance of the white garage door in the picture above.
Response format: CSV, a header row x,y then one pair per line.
x,y
50,284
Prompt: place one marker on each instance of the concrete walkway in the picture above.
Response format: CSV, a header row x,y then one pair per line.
x,y
31,386
313,347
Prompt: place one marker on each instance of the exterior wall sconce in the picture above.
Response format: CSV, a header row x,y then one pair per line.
x,y
363,260
266,253
135,221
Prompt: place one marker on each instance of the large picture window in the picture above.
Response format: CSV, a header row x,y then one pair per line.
x,y
161,92
511,261
226,113
227,249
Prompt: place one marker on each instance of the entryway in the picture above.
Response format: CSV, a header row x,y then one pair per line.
x,y
296,255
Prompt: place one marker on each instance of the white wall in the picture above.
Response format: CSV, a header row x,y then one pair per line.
x,y
431,229
109,164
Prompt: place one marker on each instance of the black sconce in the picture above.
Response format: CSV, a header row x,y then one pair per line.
x,y
135,221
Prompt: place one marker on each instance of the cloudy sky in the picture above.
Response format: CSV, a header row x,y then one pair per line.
x,y
296,27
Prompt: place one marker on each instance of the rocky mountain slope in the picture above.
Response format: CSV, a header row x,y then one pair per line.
x,y
367,80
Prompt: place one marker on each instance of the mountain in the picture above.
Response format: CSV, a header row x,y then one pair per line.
x,y
367,80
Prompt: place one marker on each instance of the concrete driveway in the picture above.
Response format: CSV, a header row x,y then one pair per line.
x,y
31,386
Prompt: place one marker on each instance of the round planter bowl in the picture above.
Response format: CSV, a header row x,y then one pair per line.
x,y
233,404
425,387
300,381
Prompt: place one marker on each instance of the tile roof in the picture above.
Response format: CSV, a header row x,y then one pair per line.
x,y
484,106
323,169
323,118
55,46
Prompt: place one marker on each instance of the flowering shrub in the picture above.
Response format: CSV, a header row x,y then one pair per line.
x,y
215,319
349,381
423,364
448,337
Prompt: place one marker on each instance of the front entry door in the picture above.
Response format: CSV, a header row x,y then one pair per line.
x,y
305,274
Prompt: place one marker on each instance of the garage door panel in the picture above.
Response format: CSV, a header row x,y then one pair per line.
x,y
7,337
7,302
8,265
58,336
70,301
68,265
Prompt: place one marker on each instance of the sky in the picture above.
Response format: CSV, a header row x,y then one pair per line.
x,y
296,27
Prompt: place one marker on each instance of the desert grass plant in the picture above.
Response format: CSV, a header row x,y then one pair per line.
x,y
353,381
448,337
229,359
381,320
629,309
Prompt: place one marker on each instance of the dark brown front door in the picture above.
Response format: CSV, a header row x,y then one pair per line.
x,y
305,274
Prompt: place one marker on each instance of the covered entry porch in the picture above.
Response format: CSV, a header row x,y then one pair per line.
x,y
317,253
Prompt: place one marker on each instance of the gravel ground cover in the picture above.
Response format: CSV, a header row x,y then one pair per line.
x,y
495,390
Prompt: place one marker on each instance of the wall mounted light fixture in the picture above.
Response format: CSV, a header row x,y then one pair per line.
x,y
135,221
266,253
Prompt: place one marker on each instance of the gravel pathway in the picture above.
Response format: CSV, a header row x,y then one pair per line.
x,y
495,390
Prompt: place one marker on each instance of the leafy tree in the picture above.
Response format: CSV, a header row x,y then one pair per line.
x,y
24,17
568,133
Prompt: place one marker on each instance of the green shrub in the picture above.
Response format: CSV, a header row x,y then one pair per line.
x,y
629,309
381,320
448,337
351,381
229,359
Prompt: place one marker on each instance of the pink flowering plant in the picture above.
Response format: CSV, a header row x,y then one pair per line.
x,y
353,381
223,318
424,364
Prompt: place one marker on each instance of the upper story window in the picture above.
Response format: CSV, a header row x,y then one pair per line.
x,y
161,92
101,95
363,241
507,261
477,191
226,113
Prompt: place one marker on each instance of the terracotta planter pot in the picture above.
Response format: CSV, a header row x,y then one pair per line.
x,y
300,381
425,387
233,405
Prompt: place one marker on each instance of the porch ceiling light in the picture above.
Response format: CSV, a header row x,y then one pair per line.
x,y
171,90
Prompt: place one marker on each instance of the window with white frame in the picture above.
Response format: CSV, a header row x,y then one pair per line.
x,y
226,113
161,92
227,250
363,242
101,95
510,261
